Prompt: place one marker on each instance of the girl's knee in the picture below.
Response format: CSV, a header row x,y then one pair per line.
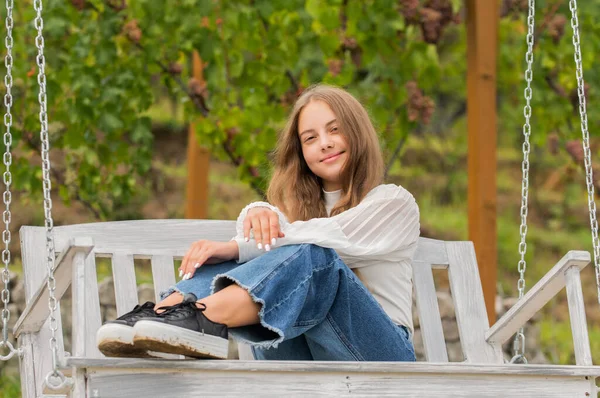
x,y
326,251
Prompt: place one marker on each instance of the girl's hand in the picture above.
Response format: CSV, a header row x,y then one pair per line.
x,y
264,222
207,252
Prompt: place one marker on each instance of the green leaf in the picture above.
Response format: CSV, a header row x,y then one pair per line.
x,y
109,122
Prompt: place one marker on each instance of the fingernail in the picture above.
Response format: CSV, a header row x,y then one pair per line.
x,y
197,265
180,272
188,275
273,241
259,246
267,247
246,239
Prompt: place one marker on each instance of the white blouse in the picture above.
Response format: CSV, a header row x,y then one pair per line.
x,y
376,239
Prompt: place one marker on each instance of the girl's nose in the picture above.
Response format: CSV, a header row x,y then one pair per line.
x,y
327,142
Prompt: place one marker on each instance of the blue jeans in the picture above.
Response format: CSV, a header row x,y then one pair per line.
x,y
313,307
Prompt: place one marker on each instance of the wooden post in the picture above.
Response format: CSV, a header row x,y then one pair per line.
x,y
482,38
198,162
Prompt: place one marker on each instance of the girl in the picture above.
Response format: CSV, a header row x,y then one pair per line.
x,y
321,272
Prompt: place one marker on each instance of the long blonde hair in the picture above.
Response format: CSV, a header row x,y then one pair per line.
x,y
295,189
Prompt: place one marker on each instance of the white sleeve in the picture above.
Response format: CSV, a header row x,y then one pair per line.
x,y
384,225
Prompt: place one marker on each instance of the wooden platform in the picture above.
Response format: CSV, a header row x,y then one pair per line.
x,y
161,378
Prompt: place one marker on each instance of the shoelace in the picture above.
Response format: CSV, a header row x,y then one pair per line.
x,y
138,308
173,308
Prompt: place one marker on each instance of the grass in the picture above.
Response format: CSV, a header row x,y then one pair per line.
x,y
557,342
10,387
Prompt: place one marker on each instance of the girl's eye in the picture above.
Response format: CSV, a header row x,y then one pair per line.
x,y
308,139
334,129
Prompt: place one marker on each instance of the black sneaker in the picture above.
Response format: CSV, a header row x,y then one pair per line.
x,y
115,338
182,329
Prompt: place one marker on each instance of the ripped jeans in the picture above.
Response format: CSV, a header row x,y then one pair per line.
x,y
313,307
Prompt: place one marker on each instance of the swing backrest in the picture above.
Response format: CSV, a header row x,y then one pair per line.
x,y
163,241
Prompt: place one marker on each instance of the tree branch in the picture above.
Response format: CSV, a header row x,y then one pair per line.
x,y
548,16
395,155
27,135
198,100
200,103
555,86
293,80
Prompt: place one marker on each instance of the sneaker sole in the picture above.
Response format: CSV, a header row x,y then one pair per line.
x,y
157,336
115,340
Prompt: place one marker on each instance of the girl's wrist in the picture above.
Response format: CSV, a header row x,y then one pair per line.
x,y
235,250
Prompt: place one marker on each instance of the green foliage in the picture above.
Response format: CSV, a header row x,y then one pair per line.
x,y
554,104
10,387
107,60
557,339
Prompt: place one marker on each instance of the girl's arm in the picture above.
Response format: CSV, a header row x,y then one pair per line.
x,y
385,225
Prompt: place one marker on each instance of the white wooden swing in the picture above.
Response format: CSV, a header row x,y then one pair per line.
x,y
484,373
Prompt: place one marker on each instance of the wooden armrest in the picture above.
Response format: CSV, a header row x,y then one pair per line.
x,y
536,297
37,311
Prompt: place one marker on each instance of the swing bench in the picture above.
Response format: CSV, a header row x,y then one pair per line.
x,y
483,372
85,372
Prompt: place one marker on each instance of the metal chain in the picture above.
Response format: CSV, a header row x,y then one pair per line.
x,y
519,342
6,216
589,177
55,379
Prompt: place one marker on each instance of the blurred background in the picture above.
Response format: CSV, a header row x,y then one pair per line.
x,y
123,95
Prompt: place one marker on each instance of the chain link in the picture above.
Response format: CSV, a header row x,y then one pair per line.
x,y
6,215
55,379
589,177
519,342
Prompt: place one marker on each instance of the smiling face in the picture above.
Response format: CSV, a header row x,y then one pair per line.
x,y
323,146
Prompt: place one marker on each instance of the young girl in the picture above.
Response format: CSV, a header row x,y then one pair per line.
x,y
321,272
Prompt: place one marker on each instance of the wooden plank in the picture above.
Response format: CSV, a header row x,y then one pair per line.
x,y
79,306
37,361
469,305
145,238
431,251
429,313
163,274
309,384
245,352
86,307
198,161
126,295
42,353
33,275
581,340
36,312
545,289
79,383
482,37
95,364
93,317
26,371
